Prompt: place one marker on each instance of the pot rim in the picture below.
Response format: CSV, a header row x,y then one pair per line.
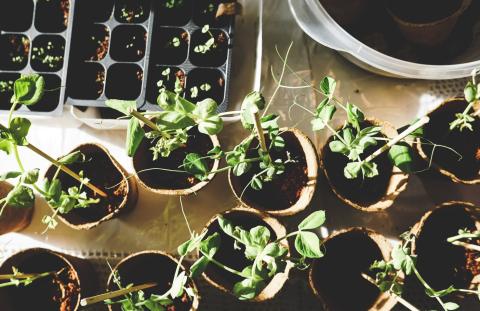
x,y
312,161
278,281
397,183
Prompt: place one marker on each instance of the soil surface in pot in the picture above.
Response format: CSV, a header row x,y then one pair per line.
x,y
176,13
284,190
52,15
228,254
465,142
59,292
338,276
216,55
150,267
363,191
199,77
425,11
439,262
170,46
159,179
86,81
14,51
99,168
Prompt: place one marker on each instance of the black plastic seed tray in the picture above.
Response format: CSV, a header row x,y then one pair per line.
x,y
34,38
127,49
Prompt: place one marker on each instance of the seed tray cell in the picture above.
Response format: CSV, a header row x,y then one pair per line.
x,y
34,38
145,45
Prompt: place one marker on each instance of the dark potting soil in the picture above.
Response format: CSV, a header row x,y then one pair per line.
x,y
7,81
158,179
200,76
178,15
86,81
52,15
228,254
57,292
440,263
14,51
128,43
132,11
465,142
93,10
17,17
146,268
101,172
163,49
339,273
284,190
363,191
216,56
48,53
121,74
204,13
377,29
90,42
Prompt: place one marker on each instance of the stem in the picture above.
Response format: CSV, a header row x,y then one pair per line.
x,y
10,114
226,113
259,130
425,284
148,122
4,205
65,169
222,265
412,128
468,246
121,292
405,303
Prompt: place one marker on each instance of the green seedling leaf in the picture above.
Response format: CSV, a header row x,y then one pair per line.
x,y
260,236
313,221
248,289
354,116
123,106
28,89
205,109
9,175
307,244
338,147
401,155
195,165
71,158
216,153
470,92
177,285
323,114
211,125
30,177
21,197
211,244
451,306
368,169
173,120
135,135
327,86
253,103
170,101
6,146
19,128
199,266
256,183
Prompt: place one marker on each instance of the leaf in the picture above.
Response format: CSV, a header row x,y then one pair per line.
x,y
20,196
28,89
451,306
199,266
30,177
173,120
260,235
313,221
211,125
338,146
323,114
354,116
470,92
170,101
278,142
307,244
401,156
248,289
274,250
19,128
216,152
211,244
6,146
205,108
9,175
135,135
177,285
256,183
327,86
123,106
71,158
241,168
253,103
196,166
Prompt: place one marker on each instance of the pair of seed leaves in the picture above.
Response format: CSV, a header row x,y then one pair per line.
x,y
353,140
178,116
267,254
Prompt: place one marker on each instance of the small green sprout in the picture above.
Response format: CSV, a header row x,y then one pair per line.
x,y
465,119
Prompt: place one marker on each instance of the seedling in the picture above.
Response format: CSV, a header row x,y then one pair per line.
x,y
268,257
388,276
18,278
172,4
209,44
46,55
28,90
129,15
194,91
465,119
466,238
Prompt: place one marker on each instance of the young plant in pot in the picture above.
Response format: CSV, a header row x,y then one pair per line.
x,y
355,159
342,271
456,124
149,280
41,279
246,253
430,263
170,144
73,198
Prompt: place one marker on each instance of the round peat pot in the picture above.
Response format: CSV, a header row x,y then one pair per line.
x,y
337,280
106,173
441,263
13,218
173,183
71,279
147,267
467,143
368,194
427,23
234,258
290,192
